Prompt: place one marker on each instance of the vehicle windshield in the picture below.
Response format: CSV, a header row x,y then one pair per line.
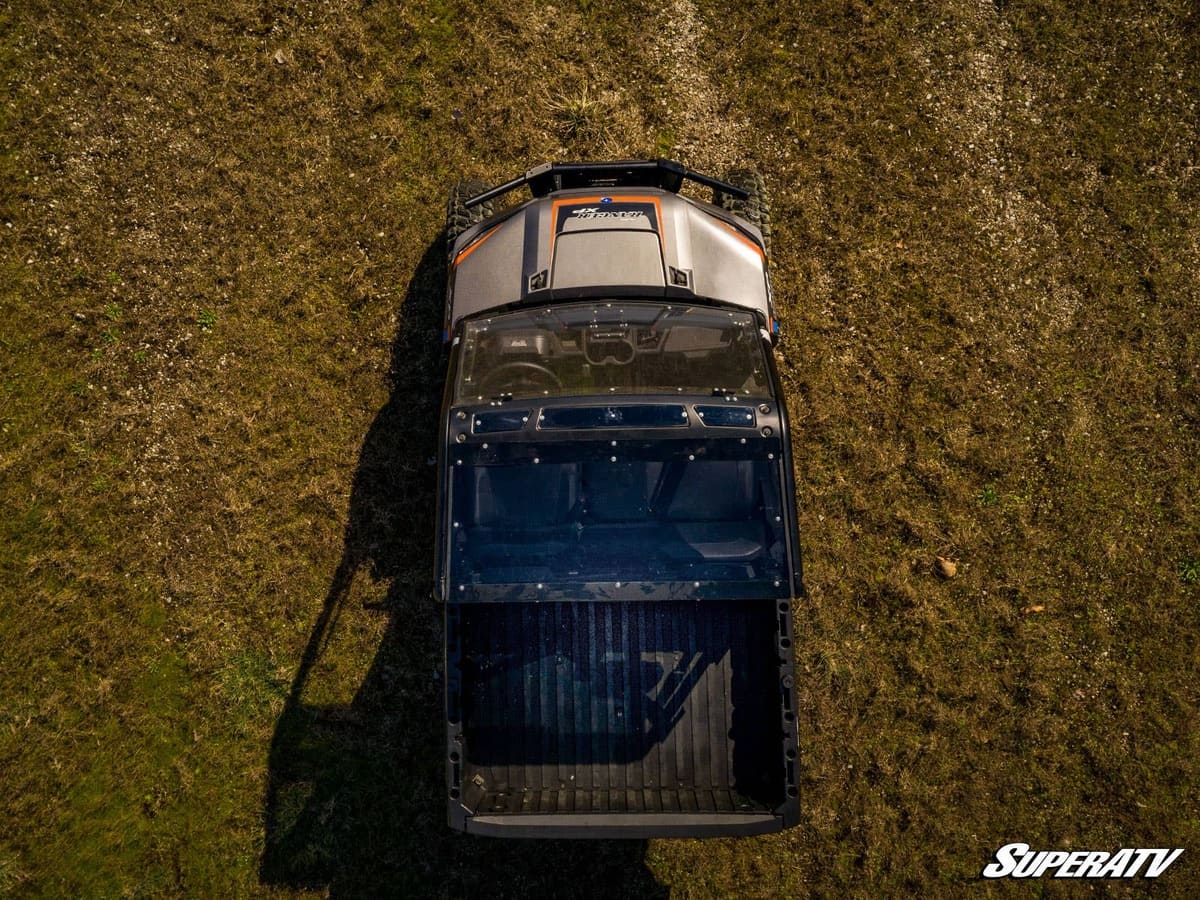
x,y
692,517
612,347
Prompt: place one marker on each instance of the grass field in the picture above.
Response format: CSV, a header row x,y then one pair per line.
x,y
220,287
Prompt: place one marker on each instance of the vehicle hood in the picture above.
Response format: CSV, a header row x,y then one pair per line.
x,y
585,243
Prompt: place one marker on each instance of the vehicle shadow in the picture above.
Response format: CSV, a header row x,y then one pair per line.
x,y
356,796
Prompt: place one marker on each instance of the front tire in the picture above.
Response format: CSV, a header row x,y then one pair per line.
x,y
755,209
460,217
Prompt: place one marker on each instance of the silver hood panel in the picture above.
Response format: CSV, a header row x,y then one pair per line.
x,y
633,242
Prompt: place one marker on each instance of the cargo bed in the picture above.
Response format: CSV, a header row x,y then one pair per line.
x,y
651,718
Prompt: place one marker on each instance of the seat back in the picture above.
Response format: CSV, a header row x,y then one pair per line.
x,y
525,496
714,491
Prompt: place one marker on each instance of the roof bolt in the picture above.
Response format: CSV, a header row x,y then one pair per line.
x,y
743,440
461,438
455,524
458,462
763,408
770,456
462,414
691,456
696,583
536,460
462,587
540,586
776,584
618,584
612,459
614,443
779,518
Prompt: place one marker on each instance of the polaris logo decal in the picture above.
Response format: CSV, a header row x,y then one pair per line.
x,y
1019,861
592,212
595,212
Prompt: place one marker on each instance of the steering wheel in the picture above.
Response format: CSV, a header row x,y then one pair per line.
x,y
524,377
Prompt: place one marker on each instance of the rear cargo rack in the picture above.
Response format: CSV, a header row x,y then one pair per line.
x,y
665,174
621,719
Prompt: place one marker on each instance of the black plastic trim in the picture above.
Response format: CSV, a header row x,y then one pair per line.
x,y
665,174
625,825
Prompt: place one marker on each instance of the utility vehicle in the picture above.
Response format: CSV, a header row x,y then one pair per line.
x,y
617,542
